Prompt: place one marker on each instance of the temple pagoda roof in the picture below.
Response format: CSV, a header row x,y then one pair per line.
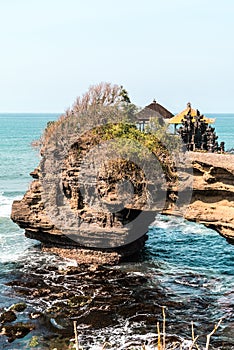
x,y
177,119
154,109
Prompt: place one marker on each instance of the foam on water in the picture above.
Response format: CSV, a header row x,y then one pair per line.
x,y
174,222
12,240
6,204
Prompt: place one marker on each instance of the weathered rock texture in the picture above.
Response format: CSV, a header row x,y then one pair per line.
x,y
111,226
213,192
212,203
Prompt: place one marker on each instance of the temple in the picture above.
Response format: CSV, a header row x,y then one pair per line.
x,y
195,131
153,110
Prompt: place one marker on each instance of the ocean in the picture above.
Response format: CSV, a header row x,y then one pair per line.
x,y
193,265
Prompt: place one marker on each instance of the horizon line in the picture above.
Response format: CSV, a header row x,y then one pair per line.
x,y
31,112
44,112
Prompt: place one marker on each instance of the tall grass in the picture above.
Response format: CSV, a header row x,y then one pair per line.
x,y
161,338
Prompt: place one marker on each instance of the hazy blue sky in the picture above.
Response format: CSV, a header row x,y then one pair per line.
x,y
172,50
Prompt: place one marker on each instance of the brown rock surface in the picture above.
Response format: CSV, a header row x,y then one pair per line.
x,y
92,203
86,256
212,204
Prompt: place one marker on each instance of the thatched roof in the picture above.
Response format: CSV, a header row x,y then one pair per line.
x,y
177,119
154,109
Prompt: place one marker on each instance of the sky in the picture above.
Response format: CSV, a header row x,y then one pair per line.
x,y
173,51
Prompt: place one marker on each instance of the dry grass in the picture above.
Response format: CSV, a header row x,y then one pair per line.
x,y
99,97
76,335
162,344
161,338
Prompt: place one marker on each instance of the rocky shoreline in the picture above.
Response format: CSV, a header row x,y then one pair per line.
x,y
102,300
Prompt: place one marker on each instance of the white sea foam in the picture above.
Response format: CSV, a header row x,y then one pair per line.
x,y
6,204
174,222
167,222
12,241
14,245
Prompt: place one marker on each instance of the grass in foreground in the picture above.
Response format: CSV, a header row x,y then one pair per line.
x,y
161,340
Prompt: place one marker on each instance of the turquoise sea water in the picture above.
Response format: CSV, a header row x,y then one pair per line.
x,y
224,126
193,264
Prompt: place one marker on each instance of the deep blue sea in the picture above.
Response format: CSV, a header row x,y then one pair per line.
x,y
192,263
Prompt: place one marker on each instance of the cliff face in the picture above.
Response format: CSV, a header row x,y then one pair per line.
x,y
30,214
212,203
93,201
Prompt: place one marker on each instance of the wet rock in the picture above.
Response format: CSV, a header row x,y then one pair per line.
x,y
41,292
7,317
19,307
58,342
98,318
86,256
61,326
98,298
17,330
35,315
79,301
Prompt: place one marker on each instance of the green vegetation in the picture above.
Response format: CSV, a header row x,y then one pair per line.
x,y
106,104
134,144
34,342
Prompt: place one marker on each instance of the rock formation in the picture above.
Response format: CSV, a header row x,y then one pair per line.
x,y
105,222
112,231
212,202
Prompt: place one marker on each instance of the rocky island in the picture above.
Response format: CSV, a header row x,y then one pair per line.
x,y
112,209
